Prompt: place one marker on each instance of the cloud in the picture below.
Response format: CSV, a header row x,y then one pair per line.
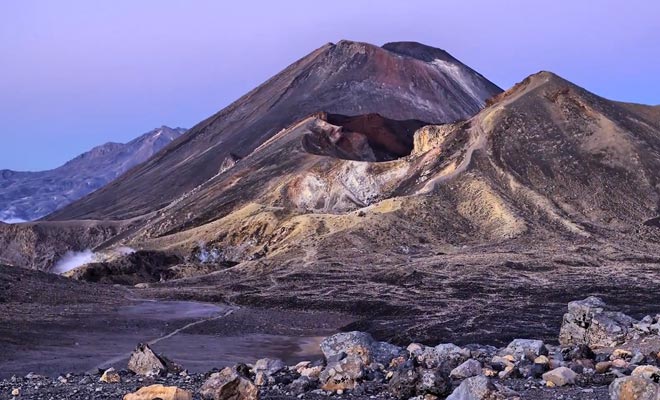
x,y
13,220
73,259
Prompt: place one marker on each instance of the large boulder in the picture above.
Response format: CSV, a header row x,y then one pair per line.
x,y
159,392
588,323
360,344
144,361
229,384
634,388
476,388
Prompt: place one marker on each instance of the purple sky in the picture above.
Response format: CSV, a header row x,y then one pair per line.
x,y
75,74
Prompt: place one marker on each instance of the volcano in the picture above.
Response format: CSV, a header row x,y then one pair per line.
x,y
401,81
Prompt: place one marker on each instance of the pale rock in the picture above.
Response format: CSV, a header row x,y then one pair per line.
x,y
144,361
543,360
343,374
467,369
648,371
526,348
560,376
476,388
159,392
110,376
634,388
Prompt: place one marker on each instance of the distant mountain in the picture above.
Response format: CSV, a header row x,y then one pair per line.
x,y
26,196
399,81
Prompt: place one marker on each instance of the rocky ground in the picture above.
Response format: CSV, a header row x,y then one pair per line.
x,y
603,354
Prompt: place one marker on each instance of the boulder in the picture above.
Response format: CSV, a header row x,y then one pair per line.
x,y
608,329
110,376
431,381
578,319
476,388
359,344
561,376
229,384
265,368
526,348
403,381
446,355
159,392
468,369
634,388
648,371
144,361
269,366
589,324
343,374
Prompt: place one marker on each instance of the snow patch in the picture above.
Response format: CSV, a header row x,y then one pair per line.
x,y
463,78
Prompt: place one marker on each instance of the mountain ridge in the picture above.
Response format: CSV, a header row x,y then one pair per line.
x,y
29,195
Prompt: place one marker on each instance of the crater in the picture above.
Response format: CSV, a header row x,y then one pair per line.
x,y
369,137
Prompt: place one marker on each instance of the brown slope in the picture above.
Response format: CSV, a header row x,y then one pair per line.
x,y
399,81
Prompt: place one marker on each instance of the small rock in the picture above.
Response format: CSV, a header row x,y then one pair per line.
x,y
302,385
343,374
620,363
526,348
446,355
579,351
603,366
229,384
467,369
145,362
431,381
311,372
16,392
560,376
621,354
269,366
543,360
359,344
476,388
159,392
110,376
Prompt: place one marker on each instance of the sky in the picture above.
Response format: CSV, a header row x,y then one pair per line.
x,y
77,73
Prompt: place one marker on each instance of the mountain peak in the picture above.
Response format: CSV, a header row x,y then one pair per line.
x,y
347,78
419,51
